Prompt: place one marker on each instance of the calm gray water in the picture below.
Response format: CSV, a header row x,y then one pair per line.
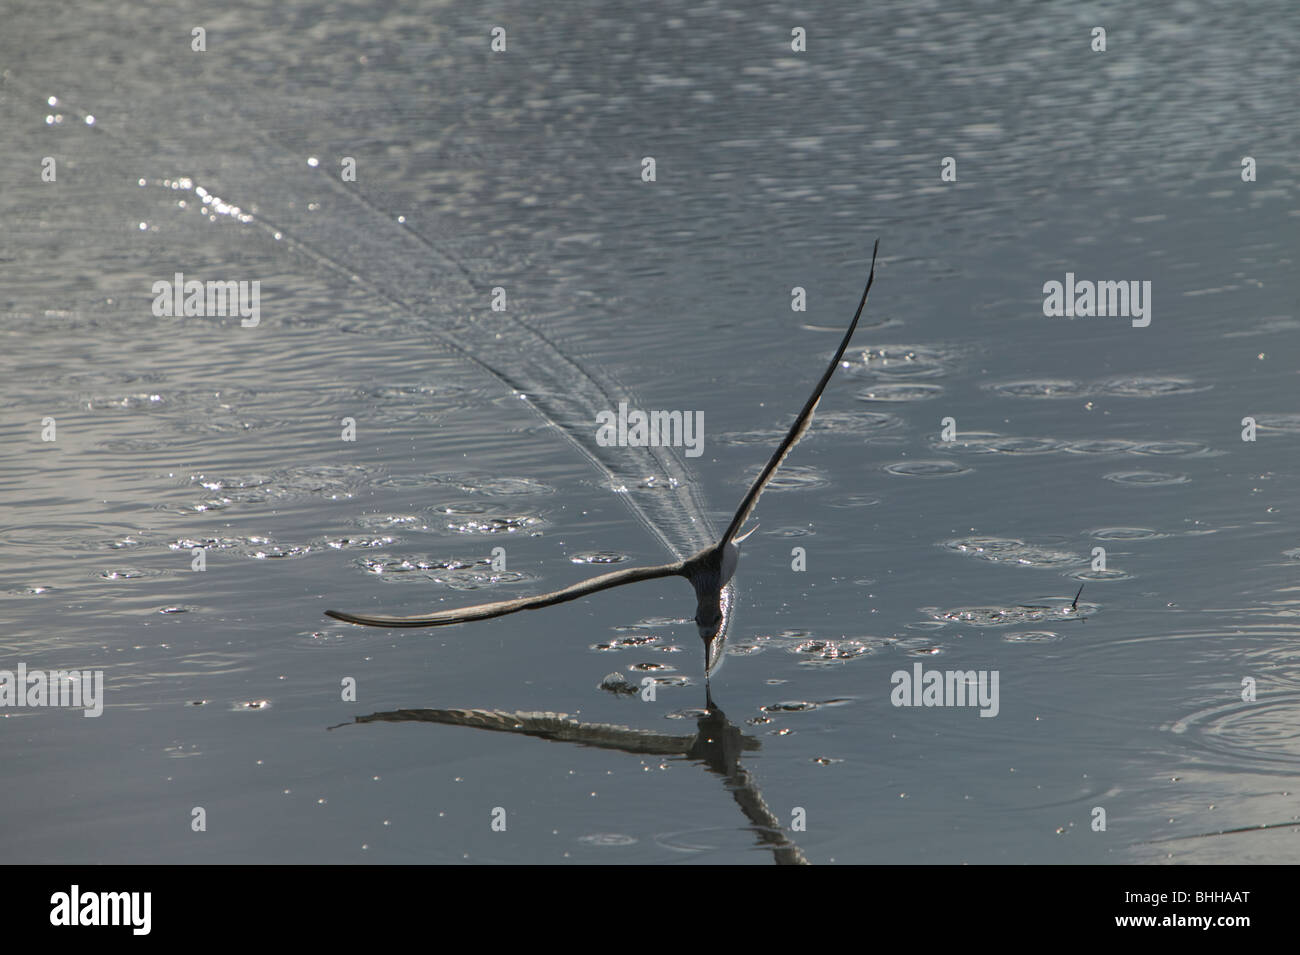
x,y
774,169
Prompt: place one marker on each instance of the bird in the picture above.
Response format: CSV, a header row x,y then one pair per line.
x,y
708,570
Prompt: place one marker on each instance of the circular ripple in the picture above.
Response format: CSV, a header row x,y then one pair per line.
x,y
383,564
1126,534
795,477
490,485
853,422
474,518
264,548
991,443
1171,447
1012,615
1111,574
831,651
1026,445
208,543
453,573
233,425
1263,735
1011,550
901,361
849,500
608,839
1100,446
125,542
127,573
1031,636
334,482
1147,387
387,522
1042,388
900,392
993,616
1145,478
833,422
405,392
1140,386
46,535
925,468
74,537
598,557
357,542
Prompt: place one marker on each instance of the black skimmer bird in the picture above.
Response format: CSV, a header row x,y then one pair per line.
x,y
709,570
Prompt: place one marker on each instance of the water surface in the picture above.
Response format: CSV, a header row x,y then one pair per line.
x,y
775,169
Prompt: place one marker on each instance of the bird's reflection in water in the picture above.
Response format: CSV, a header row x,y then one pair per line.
x,y
717,743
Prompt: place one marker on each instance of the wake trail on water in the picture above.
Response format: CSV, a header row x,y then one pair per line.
x,y
421,286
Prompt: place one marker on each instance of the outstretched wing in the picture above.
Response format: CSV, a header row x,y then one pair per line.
x,y
500,608
801,423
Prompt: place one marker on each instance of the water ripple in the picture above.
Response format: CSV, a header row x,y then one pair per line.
x,y
474,518
1139,386
1011,550
791,477
993,443
1126,534
1261,736
834,422
901,361
1055,609
1145,478
900,392
330,481
362,542
1031,636
489,485
598,557
925,468
127,573
831,651
607,840
452,572
1100,446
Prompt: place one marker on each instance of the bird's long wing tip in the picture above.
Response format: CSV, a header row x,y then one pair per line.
x,y
364,620
358,619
